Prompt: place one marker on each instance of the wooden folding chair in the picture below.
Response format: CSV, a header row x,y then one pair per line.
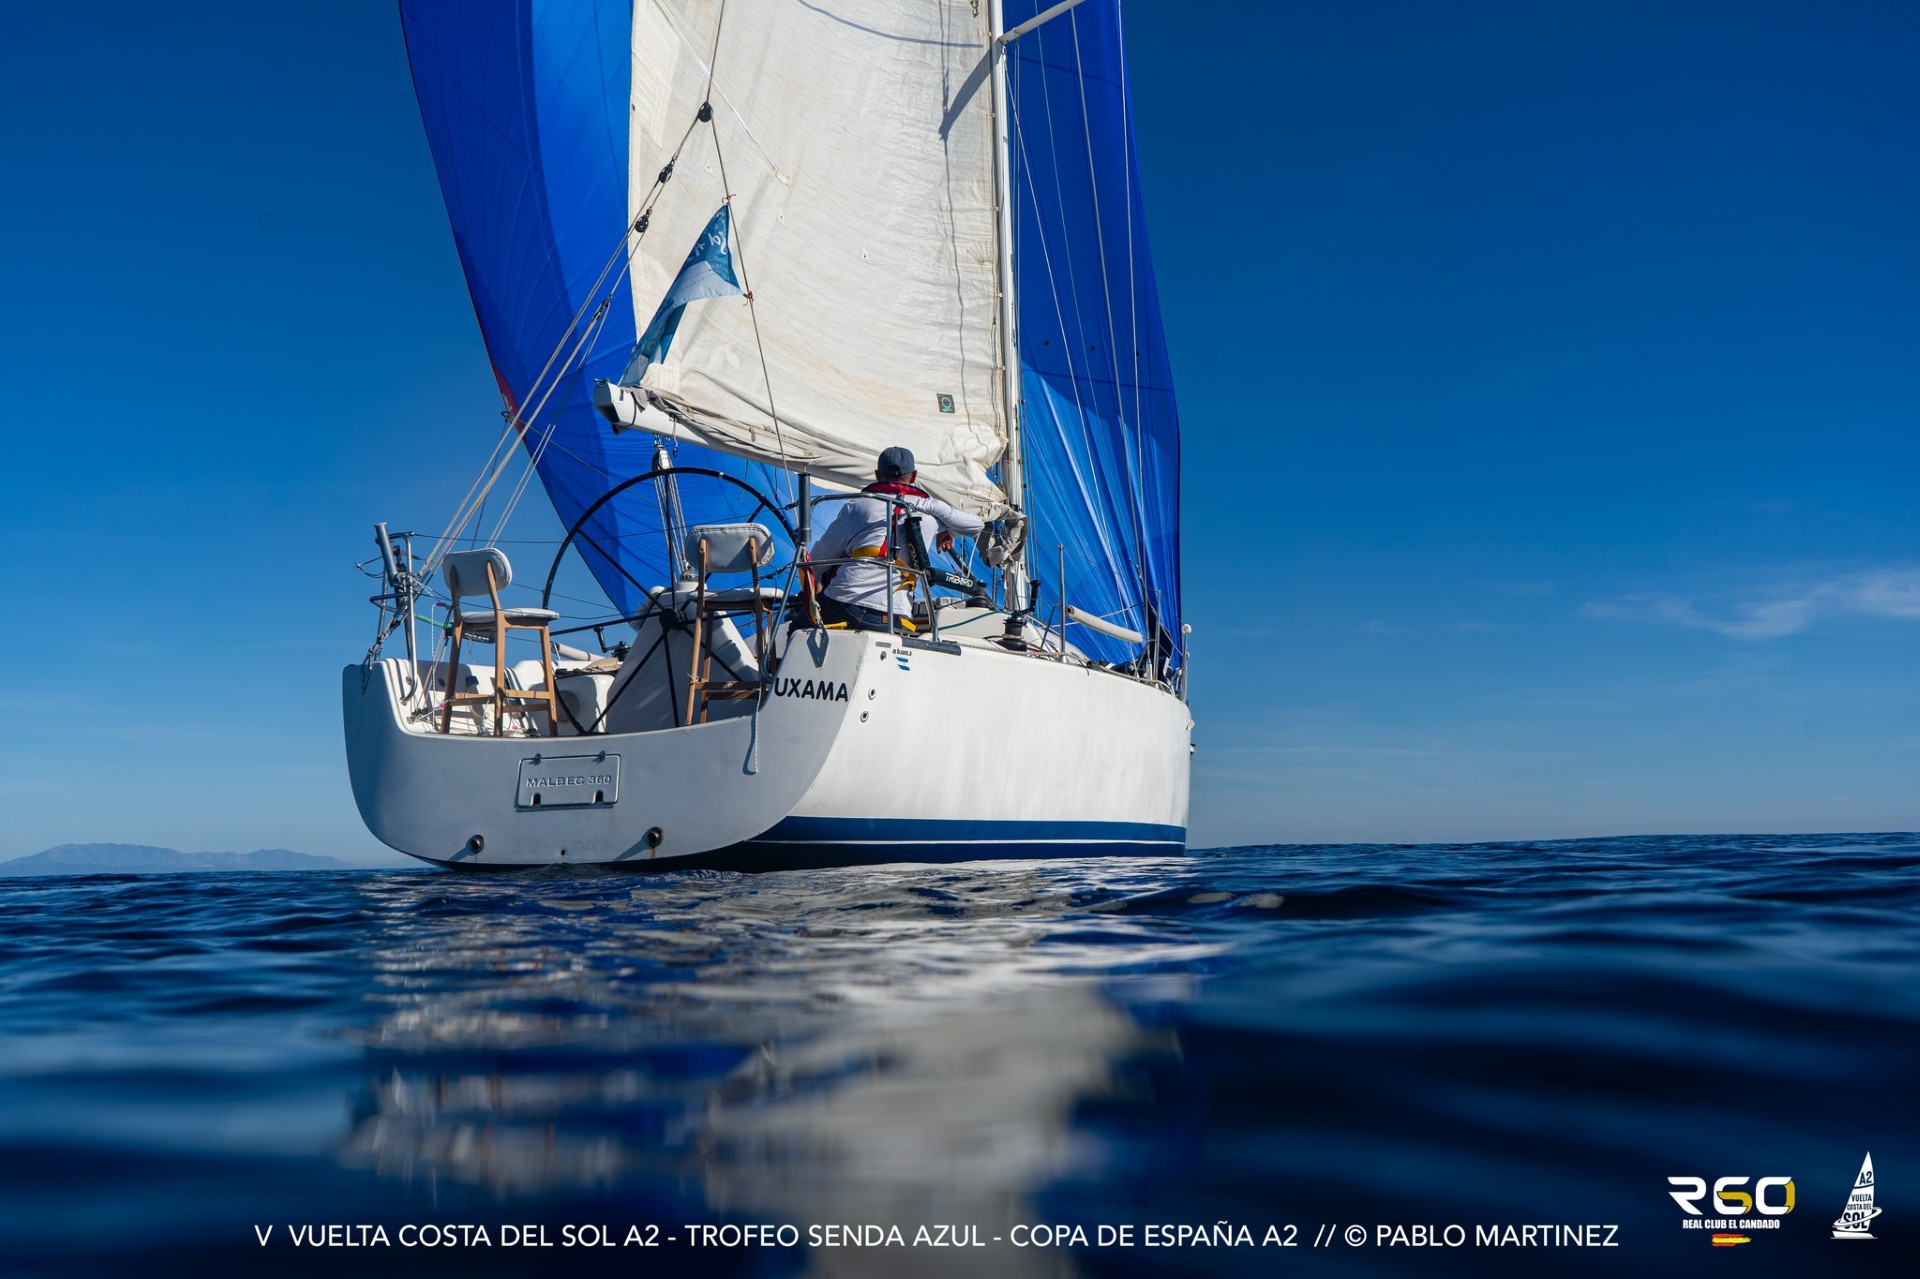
x,y
486,572
729,549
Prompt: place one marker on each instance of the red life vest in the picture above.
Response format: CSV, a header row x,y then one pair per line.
x,y
894,488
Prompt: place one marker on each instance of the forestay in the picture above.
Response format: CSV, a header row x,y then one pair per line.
x,y
855,142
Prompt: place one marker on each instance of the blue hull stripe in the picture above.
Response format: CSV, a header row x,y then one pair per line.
x,y
800,843
913,830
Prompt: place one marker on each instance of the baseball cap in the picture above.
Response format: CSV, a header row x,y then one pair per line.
x,y
896,462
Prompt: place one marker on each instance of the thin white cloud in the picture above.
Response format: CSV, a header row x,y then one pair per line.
x,y
1881,592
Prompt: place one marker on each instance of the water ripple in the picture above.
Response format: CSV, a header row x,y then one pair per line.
x,y
1538,1031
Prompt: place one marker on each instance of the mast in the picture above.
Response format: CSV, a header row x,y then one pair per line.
x,y
1013,471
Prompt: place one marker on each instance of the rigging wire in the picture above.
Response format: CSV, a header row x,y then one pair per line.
x,y
1133,319
627,245
433,561
588,342
746,284
513,498
623,255
458,519
752,764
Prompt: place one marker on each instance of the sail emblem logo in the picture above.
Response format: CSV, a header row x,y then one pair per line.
x,y
1859,1213
1731,1208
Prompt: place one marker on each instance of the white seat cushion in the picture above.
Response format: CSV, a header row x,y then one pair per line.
x,y
465,572
727,547
680,599
476,621
743,595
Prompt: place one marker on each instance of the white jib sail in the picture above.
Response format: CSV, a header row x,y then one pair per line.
x,y
856,142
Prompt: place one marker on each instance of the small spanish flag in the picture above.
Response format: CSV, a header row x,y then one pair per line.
x,y
1728,1241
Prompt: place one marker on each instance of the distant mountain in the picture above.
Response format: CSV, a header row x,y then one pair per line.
x,y
126,859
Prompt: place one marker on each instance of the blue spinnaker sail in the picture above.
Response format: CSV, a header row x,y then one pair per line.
x,y
525,107
1100,429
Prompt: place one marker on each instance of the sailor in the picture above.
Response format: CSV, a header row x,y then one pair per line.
x,y
864,534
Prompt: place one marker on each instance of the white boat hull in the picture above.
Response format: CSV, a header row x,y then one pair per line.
x,y
869,750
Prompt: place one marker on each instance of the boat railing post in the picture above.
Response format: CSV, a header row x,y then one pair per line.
x,y
1060,605
406,604
1186,657
802,565
887,559
1152,617
926,583
389,579
397,597
804,532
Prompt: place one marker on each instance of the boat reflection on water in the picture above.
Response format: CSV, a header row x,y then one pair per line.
x,y
894,1046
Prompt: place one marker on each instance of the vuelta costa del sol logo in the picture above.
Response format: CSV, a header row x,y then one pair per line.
x,y
1736,1208
1859,1212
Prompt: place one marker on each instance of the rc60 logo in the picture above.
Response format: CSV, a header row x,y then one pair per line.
x,y
1729,1200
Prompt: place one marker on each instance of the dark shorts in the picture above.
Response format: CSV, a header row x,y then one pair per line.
x,y
858,616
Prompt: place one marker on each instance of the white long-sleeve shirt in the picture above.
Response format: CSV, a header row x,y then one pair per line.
x,y
861,524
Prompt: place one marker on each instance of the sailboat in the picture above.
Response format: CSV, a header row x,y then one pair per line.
x,y
1859,1213
723,254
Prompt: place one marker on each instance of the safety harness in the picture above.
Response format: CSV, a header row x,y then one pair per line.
x,y
900,541
904,545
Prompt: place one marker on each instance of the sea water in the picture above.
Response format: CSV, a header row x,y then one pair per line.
x,y
1462,1059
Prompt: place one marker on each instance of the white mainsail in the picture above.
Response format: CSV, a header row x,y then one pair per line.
x,y
855,140
1859,1212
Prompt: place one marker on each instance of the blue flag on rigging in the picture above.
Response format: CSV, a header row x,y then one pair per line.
x,y
707,273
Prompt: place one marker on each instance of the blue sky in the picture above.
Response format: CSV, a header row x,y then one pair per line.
x,y
1548,376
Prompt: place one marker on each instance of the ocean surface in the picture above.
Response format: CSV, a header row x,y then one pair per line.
x,y
1269,1046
